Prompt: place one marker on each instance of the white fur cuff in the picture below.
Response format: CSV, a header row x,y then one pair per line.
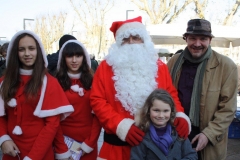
x,y
86,148
4,138
63,155
183,115
123,128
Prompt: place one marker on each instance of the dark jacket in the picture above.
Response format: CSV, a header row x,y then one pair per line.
x,y
52,62
148,150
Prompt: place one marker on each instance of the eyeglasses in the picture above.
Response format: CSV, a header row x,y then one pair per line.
x,y
132,39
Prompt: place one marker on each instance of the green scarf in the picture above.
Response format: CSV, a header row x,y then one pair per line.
x,y
197,86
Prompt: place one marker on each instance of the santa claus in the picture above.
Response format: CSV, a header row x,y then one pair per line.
x,y
122,82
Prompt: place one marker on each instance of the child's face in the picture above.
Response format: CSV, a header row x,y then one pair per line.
x,y
160,113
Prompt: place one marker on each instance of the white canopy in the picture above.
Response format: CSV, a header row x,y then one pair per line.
x,y
173,33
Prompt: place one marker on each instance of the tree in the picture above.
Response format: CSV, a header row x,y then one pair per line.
x,y
92,15
161,11
231,13
50,28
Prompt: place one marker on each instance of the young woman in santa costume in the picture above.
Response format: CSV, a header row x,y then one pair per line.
x,y
31,101
75,76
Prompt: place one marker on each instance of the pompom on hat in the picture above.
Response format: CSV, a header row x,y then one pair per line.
x,y
123,29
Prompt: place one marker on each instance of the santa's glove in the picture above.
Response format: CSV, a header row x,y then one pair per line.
x,y
182,124
134,135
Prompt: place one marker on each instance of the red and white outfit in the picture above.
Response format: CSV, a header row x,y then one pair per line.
x,y
82,125
121,85
33,124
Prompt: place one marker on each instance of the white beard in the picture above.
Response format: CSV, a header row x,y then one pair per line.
x,y
135,71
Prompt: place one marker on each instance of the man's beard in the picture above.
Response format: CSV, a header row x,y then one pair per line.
x,y
135,70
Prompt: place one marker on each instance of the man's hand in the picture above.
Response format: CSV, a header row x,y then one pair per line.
x,y
10,148
202,141
134,136
182,127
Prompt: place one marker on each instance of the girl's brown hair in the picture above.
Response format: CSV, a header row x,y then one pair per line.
x,y
86,77
157,94
12,79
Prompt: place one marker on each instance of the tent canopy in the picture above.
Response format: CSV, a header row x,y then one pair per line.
x,y
173,34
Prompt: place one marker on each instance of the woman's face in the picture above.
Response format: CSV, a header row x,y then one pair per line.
x,y
74,63
27,52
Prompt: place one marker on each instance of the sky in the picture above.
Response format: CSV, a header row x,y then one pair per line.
x,y
12,13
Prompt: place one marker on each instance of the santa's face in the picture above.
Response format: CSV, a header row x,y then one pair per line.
x,y
135,68
132,40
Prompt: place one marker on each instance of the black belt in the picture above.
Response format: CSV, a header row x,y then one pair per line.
x,y
113,140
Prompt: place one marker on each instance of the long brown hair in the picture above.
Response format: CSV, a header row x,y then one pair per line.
x,y
157,94
12,79
86,77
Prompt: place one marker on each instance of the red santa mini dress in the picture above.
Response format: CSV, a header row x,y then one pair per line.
x,y
33,124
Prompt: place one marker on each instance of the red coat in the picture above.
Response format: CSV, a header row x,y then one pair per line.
x,y
39,120
111,113
82,125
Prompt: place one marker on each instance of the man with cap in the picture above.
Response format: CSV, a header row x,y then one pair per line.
x,y
121,84
207,86
53,58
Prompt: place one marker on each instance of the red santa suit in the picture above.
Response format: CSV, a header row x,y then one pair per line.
x,y
129,73
32,124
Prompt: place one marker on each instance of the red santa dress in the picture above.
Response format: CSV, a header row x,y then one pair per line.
x,y
82,125
38,119
113,117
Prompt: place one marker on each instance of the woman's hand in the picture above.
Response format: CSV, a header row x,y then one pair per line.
x,y
80,149
10,148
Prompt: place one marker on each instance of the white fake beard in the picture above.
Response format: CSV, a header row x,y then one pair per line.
x,y
135,72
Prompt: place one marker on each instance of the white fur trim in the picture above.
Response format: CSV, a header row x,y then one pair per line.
x,y
183,115
25,71
99,158
27,158
79,43
123,128
78,89
63,155
74,76
17,130
12,102
10,46
86,148
4,138
132,28
2,109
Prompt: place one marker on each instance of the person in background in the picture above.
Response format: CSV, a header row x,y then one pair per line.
x,y
161,140
53,58
75,75
121,85
3,58
94,62
207,88
31,101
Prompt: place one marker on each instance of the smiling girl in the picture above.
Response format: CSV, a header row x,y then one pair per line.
x,y
161,140
31,101
75,76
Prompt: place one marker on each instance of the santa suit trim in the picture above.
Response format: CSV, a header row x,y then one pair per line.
x,y
86,148
66,110
184,116
98,158
4,138
123,128
63,155
27,158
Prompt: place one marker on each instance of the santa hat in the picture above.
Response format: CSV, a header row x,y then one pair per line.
x,y
35,37
123,29
80,44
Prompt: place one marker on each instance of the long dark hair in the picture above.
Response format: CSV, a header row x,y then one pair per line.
x,y
12,79
86,77
158,94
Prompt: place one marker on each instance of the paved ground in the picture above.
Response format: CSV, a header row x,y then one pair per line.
x,y
233,149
